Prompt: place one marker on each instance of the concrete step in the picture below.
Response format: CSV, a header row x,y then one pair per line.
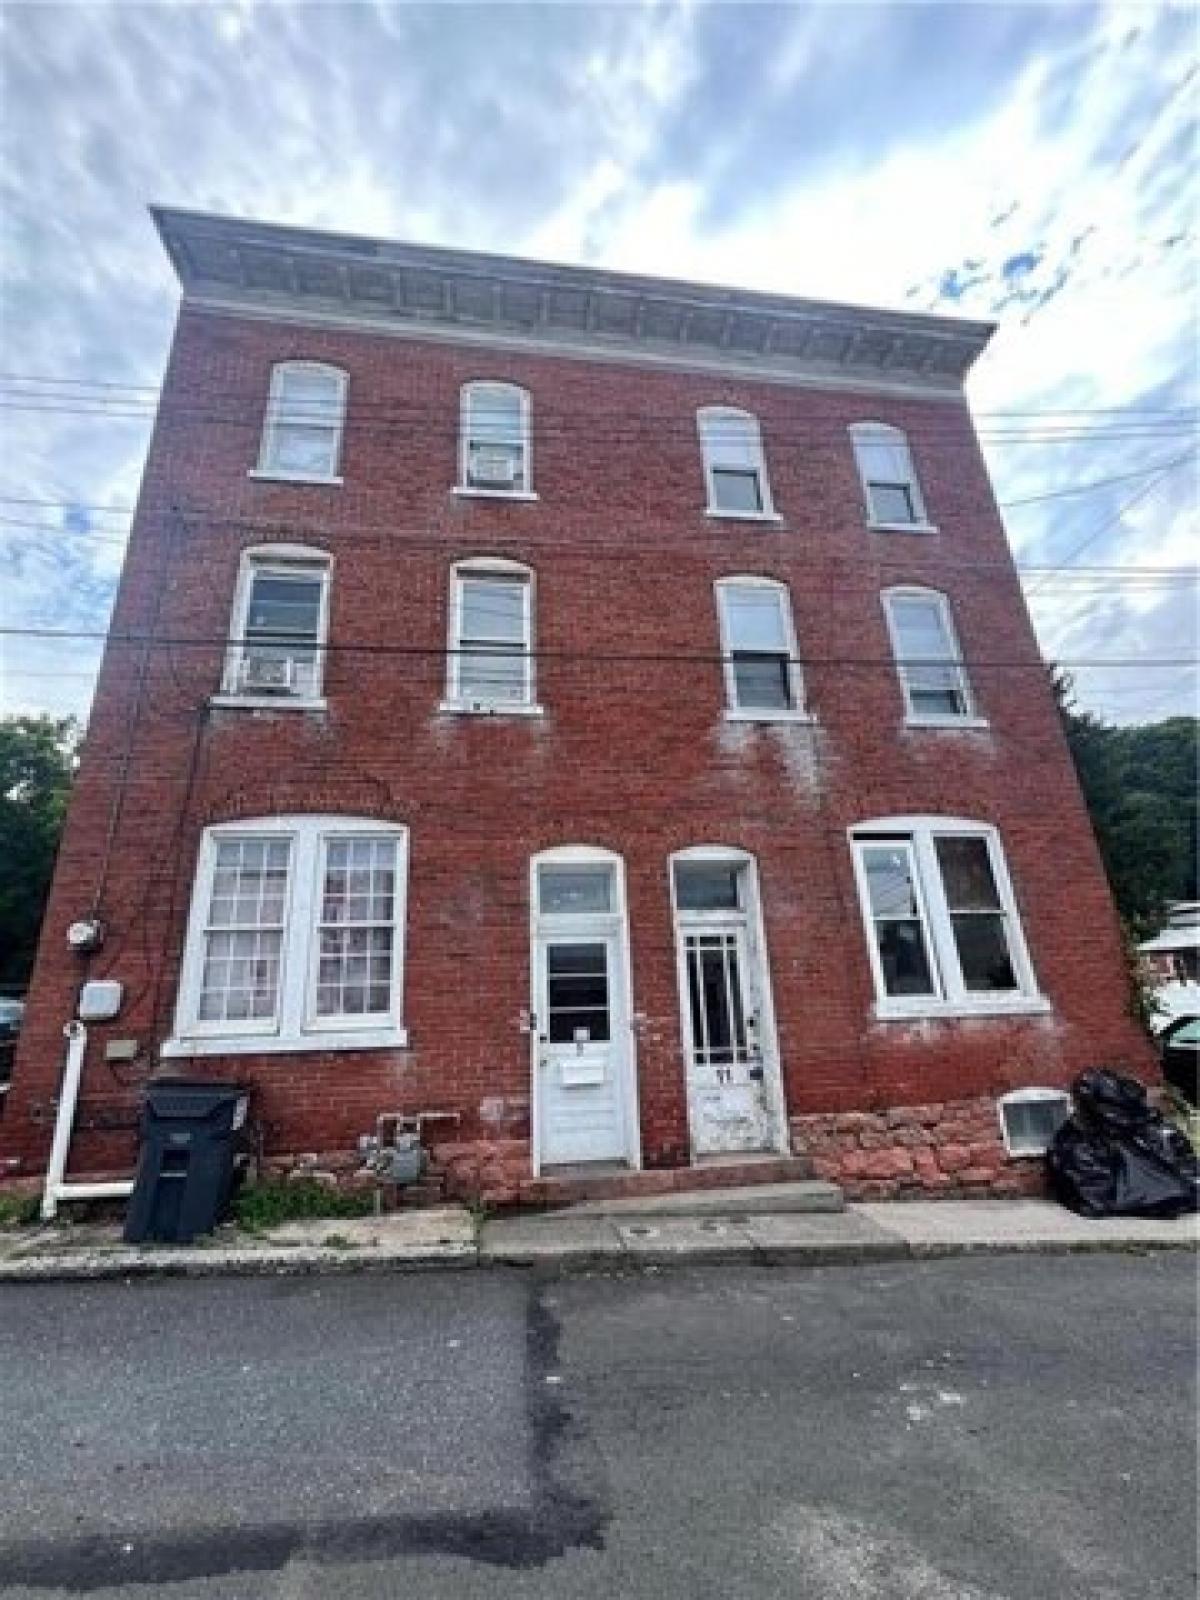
x,y
807,1196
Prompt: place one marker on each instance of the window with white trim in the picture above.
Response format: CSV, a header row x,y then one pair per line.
x,y
495,439
927,654
295,938
889,479
943,932
302,434
279,625
735,468
1029,1119
758,648
491,636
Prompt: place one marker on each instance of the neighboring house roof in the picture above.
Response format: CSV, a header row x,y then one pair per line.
x,y
465,295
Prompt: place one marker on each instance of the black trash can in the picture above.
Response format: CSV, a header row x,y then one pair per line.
x,y
195,1145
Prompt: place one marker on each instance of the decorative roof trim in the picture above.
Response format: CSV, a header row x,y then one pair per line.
x,y
420,291
563,351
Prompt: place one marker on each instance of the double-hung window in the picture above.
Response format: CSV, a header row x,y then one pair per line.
x,y
943,931
889,479
295,939
302,435
735,468
491,637
279,626
758,647
928,659
495,440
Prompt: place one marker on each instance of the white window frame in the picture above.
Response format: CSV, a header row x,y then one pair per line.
x,y
292,1029
483,567
523,490
710,420
797,711
951,997
968,718
282,558
276,417
1024,1097
869,433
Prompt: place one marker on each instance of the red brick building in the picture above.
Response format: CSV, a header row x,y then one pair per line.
x,y
599,708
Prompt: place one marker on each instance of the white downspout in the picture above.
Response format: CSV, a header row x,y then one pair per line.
x,y
56,1189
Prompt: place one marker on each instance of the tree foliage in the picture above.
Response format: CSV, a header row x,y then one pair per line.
x,y
37,763
1140,784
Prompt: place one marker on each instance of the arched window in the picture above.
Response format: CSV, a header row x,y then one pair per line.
x,y
495,443
758,648
302,434
295,938
490,664
889,480
928,658
735,469
943,932
279,625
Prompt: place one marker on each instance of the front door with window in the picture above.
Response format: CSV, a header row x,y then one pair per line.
x,y
583,1043
582,1040
732,1082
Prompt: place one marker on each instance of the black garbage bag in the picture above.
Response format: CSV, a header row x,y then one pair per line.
x,y
1116,1156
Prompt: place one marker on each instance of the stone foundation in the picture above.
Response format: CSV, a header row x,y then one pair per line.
x,y
951,1148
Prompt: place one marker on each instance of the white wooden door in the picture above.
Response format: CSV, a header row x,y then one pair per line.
x,y
729,1100
582,1049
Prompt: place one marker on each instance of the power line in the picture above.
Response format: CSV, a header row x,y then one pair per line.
x,y
585,658
1039,411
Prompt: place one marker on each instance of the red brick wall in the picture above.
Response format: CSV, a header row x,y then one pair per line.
x,y
637,757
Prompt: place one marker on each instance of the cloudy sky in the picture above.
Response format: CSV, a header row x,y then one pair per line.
x,y
1031,163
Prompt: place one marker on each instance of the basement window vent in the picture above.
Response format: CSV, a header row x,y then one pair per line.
x,y
1029,1119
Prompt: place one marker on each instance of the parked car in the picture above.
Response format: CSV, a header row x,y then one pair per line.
x,y
12,1014
1179,1052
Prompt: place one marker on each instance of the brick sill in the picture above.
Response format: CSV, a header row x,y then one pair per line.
x,y
266,475
255,702
882,1012
273,1044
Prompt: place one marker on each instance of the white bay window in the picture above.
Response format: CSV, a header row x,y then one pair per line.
x,y
943,932
295,938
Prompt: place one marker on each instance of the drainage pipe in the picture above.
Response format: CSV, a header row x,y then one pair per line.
x,y
64,1123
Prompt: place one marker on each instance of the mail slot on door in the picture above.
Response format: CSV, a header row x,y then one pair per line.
x,y
580,1072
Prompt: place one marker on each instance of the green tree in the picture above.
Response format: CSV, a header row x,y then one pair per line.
x,y
1140,785
37,763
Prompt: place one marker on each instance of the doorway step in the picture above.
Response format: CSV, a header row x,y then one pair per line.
x,y
763,1184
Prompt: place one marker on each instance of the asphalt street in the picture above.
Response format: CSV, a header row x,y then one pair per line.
x,y
1016,1428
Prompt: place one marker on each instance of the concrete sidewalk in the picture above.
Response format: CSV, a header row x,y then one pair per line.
x,y
450,1236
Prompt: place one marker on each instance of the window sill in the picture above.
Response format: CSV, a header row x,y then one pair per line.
x,y
270,475
466,708
465,492
743,516
275,1044
938,1011
263,702
745,714
946,722
903,527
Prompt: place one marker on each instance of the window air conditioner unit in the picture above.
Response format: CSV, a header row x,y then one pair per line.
x,y
494,469
269,674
